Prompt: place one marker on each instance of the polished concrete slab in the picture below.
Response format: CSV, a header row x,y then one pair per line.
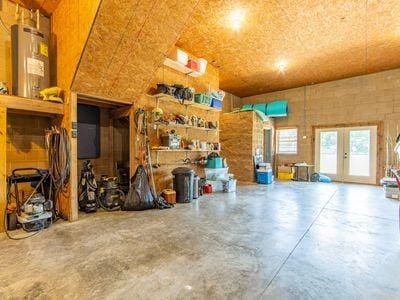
x,y
289,240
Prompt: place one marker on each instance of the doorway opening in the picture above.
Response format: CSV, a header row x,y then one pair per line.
x,y
347,154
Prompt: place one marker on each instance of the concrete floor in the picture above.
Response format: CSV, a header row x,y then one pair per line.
x,y
284,241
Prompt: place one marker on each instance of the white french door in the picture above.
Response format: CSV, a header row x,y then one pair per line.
x,y
347,154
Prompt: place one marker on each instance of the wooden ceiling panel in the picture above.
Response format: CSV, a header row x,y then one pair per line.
x,y
128,43
320,40
45,6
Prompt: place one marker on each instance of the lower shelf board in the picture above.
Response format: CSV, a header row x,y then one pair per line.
x,y
28,106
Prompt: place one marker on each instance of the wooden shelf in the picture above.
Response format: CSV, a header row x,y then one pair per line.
x,y
28,106
173,64
165,97
183,150
185,126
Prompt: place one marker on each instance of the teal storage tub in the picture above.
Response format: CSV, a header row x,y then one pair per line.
x,y
277,109
214,162
202,99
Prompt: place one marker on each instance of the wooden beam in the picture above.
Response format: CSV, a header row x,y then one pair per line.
x,y
97,100
28,106
3,164
121,112
73,182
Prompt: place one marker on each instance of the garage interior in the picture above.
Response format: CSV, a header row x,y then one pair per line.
x,y
205,149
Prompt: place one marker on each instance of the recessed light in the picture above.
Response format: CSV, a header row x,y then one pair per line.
x,y
281,65
236,19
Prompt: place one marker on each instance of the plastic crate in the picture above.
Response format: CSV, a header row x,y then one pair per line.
x,y
264,177
216,103
285,176
202,99
214,162
216,174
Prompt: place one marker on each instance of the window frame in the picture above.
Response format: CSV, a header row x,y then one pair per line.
x,y
277,130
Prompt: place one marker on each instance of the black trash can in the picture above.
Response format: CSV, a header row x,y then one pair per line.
x,y
183,184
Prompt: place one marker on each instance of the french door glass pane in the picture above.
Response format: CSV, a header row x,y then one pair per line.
x,y
359,156
328,152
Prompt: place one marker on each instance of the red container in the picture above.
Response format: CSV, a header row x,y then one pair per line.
x,y
207,188
192,64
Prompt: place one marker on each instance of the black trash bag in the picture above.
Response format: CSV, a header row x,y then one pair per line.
x,y
140,196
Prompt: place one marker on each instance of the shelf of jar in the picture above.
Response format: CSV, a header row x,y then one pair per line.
x,y
169,98
185,126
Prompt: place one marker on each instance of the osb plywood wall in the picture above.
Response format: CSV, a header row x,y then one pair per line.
x,y
26,142
169,161
365,99
71,23
134,37
242,133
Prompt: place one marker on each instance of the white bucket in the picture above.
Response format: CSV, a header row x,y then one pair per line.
x,y
201,65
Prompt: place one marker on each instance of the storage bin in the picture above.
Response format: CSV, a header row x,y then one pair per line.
x,y
214,162
285,176
202,65
392,192
202,99
216,185
264,177
216,174
216,103
169,196
192,64
229,186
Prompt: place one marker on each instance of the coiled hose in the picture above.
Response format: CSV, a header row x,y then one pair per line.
x,y
59,153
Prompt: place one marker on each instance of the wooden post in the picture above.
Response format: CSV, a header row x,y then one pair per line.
x,y
132,139
3,164
73,182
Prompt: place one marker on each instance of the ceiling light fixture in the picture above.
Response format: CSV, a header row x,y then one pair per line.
x,y
236,19
281,65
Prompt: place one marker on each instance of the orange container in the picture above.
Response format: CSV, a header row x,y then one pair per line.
x,y
169,196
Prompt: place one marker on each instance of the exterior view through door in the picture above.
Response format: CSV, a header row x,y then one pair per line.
x,y
347,154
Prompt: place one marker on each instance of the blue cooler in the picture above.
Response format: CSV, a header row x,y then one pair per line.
x,y
216,103
264,177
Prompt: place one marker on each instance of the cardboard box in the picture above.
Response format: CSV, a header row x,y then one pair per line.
x,y
285,169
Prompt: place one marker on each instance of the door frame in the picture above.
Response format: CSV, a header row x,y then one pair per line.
x,y
379,140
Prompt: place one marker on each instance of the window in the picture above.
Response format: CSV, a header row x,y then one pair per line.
x,y
287,141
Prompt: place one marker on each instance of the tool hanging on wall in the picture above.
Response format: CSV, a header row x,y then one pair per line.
x,y
59,154
142,146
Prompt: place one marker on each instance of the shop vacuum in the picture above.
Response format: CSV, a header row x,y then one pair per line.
x,y
105,195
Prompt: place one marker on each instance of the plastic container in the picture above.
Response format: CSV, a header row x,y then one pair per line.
x,y
392,192
264,177
229,186
192,64
216,174
217,185
285,176
196,181
207,188
202,99
183,184
202,65
216,103
180,56
169,196
214,162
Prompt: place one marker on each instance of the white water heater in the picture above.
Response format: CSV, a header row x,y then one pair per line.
x,y
30,61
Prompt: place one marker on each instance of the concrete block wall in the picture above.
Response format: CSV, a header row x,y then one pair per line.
x,y
373,98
